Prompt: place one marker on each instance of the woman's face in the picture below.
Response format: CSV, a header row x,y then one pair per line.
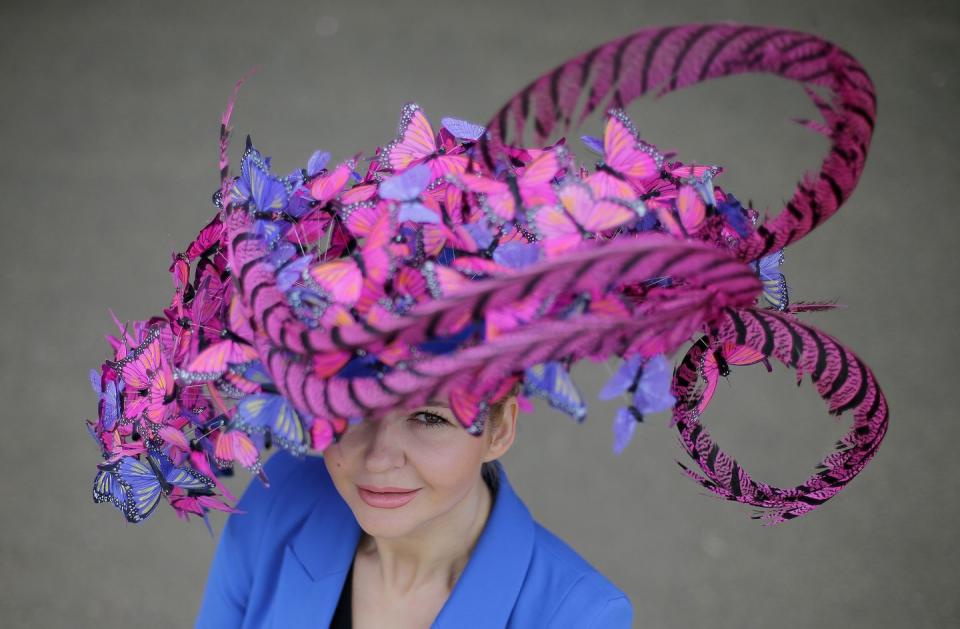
x,y
403,471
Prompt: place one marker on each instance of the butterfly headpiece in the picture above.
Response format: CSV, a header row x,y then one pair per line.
x,y
464,261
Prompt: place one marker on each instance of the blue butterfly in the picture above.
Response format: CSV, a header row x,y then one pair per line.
x,y
106,486
265,193
111,400
552,381
447,343
135,488
271,413
775,291
732,212
648,384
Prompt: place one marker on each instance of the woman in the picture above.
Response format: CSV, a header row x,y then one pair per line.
x,y
388,314
406,522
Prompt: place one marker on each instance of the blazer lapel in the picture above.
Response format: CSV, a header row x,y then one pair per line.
x,y
315,564
488,587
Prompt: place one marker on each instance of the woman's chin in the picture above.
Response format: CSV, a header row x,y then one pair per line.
x,y
384,525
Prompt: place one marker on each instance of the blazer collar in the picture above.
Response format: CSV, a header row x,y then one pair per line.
x,y
319,555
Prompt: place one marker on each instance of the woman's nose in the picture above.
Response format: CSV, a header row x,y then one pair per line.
x,y
383,450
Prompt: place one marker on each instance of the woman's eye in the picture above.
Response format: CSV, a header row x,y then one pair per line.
x,y
425,418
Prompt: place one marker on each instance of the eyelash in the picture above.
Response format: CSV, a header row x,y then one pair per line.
x,y
428,424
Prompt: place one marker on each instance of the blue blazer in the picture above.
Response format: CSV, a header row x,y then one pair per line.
x,y
284,561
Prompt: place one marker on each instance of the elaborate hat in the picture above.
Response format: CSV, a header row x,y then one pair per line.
x,y
461,262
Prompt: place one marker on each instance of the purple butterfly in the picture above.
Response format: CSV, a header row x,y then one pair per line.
x,y
292,271
256,184
552,381
648,384
317,162
405,189
594,144
732,212
110,394
775,291
463,129
517,255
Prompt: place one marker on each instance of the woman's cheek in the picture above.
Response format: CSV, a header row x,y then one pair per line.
x,y
452,467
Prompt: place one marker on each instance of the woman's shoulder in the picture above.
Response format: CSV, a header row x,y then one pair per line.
x,y
566,567
580,595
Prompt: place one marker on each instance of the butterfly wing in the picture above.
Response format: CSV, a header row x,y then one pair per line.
x,y
577,199
235,445
341,279
517,255
327,187
775,292
653,390
625,153
497,196
447,165
377,264
624,426
178,475
267,411
552,382
415,140
317,162
463,129
416,212
408,185
535,181
692,174
140,364
143,486
268,193
557,231
689,215
108,488
622,379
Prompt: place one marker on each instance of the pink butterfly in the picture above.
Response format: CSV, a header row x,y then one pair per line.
x,y
417,144
148,381
236,445
443,281
533,185
693,174
234,347
731,354
323,432
208,238
328,186
578,216
342,279
687,217
185,505
627,162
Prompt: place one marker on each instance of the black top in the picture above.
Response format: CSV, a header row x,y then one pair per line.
x,y
343,615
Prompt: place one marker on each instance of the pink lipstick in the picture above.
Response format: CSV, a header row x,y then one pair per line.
x,y
386,497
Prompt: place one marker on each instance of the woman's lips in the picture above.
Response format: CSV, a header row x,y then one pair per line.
x,y
386,497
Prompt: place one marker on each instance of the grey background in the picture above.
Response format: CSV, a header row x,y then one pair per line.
x,y
108,133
